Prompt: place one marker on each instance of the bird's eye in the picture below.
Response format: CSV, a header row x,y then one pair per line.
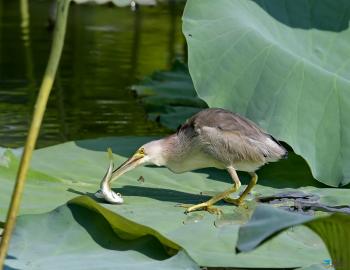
x,y
142,151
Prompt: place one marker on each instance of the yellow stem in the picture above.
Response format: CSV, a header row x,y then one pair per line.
x,y
39,110
25,21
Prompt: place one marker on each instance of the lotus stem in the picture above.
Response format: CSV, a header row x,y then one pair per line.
x,y
39,110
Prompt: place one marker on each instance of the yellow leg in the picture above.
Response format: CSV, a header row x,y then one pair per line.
x,y
208,204
250,186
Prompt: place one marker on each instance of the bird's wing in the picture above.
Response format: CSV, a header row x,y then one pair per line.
x,y
231,146
225,121
228,135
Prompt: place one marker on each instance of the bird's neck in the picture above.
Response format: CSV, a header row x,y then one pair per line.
x,y
174,147
181,155
170,147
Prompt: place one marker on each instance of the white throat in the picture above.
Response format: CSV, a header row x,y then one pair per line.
x,y
156,152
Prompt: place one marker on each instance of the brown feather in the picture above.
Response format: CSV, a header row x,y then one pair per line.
x,y
230,138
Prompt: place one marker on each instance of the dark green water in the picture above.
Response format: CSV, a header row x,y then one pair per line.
x,y
107,50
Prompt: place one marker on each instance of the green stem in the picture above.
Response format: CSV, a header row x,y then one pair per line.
x,y
39,110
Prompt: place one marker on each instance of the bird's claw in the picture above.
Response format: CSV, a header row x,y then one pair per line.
x,y
213,210
203,206
236,202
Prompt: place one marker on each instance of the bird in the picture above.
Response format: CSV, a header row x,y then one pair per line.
x,y
213,137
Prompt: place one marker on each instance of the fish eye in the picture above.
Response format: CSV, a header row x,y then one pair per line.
x,y
142,151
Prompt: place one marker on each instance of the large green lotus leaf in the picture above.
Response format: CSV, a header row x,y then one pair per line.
x,y
43,192
63,171
283,64
267,222
74,237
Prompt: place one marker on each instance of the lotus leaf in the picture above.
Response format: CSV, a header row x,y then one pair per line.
x,y
62,172
284,65
267,222
74,237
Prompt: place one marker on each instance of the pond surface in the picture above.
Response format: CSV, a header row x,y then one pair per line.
x,y
107,49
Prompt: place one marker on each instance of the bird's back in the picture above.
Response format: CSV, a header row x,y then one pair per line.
x,y
231,139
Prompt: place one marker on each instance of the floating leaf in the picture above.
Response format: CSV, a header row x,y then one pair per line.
x,y
267,222
62,172
297,201
72,237
283,64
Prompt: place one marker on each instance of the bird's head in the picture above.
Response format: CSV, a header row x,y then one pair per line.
x,y
149,153
153,152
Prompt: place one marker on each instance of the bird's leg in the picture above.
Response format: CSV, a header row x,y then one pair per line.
x,y
250,186
208,204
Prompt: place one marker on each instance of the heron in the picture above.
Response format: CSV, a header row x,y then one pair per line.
x,y
213,137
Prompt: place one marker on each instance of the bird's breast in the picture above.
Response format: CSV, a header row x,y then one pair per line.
x,y
247,166
192,162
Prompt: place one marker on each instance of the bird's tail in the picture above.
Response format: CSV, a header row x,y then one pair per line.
x,y
285,156
276,150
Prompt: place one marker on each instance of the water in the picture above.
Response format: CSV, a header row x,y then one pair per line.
x,y
107,49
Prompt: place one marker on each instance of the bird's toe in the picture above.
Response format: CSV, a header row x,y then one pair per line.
x,y
183,205
213,210
236,202
202,206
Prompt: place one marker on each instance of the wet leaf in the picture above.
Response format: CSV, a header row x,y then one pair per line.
x,y
72,237
299,201
281,64
267,222
62,172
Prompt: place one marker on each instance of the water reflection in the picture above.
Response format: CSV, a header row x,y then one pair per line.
x,y
106,50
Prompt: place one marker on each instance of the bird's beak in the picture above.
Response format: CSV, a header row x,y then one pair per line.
x,y
136,160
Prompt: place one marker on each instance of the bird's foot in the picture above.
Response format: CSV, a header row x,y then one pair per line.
x,y
236,202
202,206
